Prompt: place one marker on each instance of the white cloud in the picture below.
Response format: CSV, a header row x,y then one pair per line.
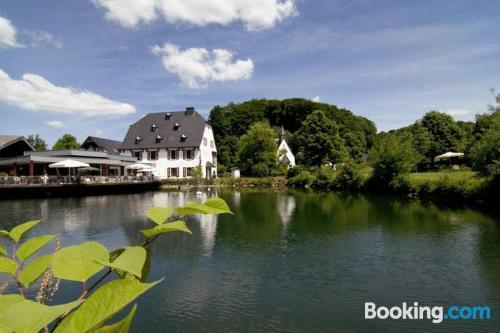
x,y
198,66
55,123
255,14
40,38
8,34
33,92
316,99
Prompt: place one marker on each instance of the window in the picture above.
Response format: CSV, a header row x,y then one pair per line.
x,y
172,172
152,154
205,142
138,155
188,154
212,144
187,172
173,154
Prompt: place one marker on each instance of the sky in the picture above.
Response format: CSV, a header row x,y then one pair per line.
x,y
93,67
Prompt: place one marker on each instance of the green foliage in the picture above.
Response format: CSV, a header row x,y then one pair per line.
x,y
212,206
78,262
121,326
104,303
67,141
3,174
323,178
21,315
160,214
17,232
27,249
98,303
319,141
303,179
232,121
37,142
392,155
34,270
8,265
166,228
258,150
485,152
349,178
130,260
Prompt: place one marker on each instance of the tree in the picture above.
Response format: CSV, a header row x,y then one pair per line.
x,y
258,150
392,155
67,141
37,142
319,141
445,134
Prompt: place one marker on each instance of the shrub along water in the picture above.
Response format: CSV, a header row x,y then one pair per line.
x,y
99,301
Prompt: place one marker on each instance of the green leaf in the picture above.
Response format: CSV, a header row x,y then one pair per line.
x,y
8,265
160,215
20,315
147,265
122,326
105,302
211,206
32,245
34,270
131,260
78,262
4,233
3,250
167,227
17,232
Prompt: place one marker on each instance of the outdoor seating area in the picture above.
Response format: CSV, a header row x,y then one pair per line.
x,y
58,180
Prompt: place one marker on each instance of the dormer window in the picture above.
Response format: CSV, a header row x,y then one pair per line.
x,y
183,137
168,115
176,126
154,127
138,140
158,138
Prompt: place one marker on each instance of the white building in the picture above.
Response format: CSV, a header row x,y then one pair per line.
x,y
173,143
285,154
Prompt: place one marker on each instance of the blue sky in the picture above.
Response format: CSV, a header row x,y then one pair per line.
x,y
90,68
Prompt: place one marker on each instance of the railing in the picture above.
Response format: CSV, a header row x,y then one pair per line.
x,y
56,180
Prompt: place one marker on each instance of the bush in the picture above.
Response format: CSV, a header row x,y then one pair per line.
x,y
3,174
400,185
260,170
293,171
323,178
392,156
349,178
304,179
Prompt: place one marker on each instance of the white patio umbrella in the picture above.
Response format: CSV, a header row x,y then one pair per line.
x,y
139,166
68,164
448,155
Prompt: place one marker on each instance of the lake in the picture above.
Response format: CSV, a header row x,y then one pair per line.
x,y
290,261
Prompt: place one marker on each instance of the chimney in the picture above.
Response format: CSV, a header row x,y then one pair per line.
x,y
189,111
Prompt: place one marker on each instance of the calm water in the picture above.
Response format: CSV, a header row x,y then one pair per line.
x,y
294,262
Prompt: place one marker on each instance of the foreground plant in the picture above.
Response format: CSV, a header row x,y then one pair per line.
x,y
99,301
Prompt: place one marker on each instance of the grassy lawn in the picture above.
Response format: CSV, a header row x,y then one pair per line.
x,y
469,178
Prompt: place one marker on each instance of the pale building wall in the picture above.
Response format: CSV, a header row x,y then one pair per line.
x,y
289,154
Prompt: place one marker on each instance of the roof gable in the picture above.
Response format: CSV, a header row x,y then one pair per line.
x,y
108,145
166,130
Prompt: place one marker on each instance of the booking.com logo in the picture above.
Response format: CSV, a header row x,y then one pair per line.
x,y
435,313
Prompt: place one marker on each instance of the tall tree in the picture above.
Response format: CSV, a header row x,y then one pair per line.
x,y
319,141
67,141
392,155
445,134
258,150
37,142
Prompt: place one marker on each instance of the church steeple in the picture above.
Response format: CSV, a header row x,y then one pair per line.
x,y
282,134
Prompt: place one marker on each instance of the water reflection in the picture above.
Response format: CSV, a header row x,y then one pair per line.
x,y
290,261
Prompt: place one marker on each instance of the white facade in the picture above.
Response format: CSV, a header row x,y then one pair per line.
x,y
288,158
177,163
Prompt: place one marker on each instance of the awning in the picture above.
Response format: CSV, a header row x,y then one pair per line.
x,y
448,155
68,164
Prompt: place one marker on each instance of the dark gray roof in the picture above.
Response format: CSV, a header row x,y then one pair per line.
x,y
108,145
5,139
191,125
